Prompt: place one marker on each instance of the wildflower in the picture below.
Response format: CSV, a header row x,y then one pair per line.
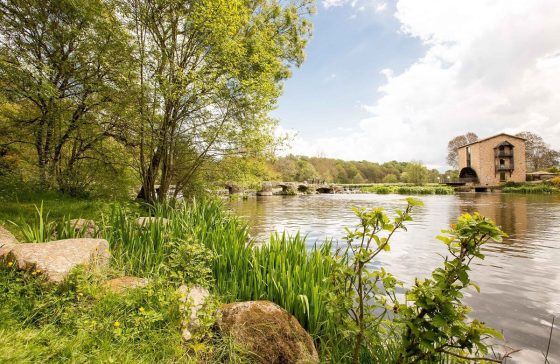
x,y
34,273
10,264
141,309
117,324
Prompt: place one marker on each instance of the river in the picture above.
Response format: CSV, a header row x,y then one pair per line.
x,y
519,279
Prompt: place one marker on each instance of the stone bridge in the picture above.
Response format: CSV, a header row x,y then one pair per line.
x,y
290,188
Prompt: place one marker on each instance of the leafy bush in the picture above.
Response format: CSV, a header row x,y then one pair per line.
x,y
555,182
432,323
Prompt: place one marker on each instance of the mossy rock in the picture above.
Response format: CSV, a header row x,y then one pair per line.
x,y
268,331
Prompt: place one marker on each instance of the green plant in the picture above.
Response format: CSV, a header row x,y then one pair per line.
x,y
359,295
188,262
540,188
433,317
555,181
407,189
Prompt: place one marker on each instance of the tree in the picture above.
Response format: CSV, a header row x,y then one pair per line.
x,y
538,154
62,68
455,143
209,73
390,178
416,173
305,171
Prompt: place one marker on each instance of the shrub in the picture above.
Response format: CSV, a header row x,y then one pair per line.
x,y
555,182
432,323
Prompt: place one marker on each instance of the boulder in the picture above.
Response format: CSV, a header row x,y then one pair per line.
x,y
55,259
87,227
147,220
192,301
268,331
7,241
121,284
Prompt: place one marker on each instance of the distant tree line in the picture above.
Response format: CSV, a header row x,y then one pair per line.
x,y
301,168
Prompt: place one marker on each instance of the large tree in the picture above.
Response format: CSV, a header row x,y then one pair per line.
x,y
538,154
62,69
455,143
209,73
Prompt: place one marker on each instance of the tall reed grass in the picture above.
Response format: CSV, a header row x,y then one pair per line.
x,y
283,270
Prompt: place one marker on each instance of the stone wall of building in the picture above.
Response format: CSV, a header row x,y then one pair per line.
x,y
483,160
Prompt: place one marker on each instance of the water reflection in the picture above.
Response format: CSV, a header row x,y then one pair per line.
x,y
519,278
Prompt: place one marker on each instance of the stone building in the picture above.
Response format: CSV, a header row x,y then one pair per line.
x,y
492,161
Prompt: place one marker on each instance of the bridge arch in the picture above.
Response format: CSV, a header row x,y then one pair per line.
x,y
468,173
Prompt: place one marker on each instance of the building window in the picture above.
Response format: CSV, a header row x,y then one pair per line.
x,y
502,176
468,156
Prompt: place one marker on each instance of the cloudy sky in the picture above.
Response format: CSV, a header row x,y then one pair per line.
x,y
388,80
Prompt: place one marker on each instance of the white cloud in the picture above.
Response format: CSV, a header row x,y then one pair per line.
x,y
490,66
333,3
360,5
381,7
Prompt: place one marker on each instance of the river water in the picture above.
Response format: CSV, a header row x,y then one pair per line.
x,y
519,279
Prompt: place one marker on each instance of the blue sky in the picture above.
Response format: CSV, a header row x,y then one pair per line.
x,y
341,72
397,79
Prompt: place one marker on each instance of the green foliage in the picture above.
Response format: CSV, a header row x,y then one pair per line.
x,y
351,309
540,188
434,317
431,326
189,262
359,297
416,173
283,270
65,63
555,182
300,168
404,189
209,98
79,321
390,178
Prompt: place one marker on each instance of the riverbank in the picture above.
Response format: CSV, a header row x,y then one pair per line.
x,y
199,244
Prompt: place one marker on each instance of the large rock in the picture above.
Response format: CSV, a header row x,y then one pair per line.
x,y
55,259
84,226
192,300
7,241
122,284
268,331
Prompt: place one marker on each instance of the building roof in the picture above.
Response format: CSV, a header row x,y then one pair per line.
x,y
492,137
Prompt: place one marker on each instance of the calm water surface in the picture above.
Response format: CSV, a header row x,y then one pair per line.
x,y
519,279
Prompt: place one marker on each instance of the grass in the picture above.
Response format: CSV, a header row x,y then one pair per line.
x,y
19,203
540,188
406,189
80,323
